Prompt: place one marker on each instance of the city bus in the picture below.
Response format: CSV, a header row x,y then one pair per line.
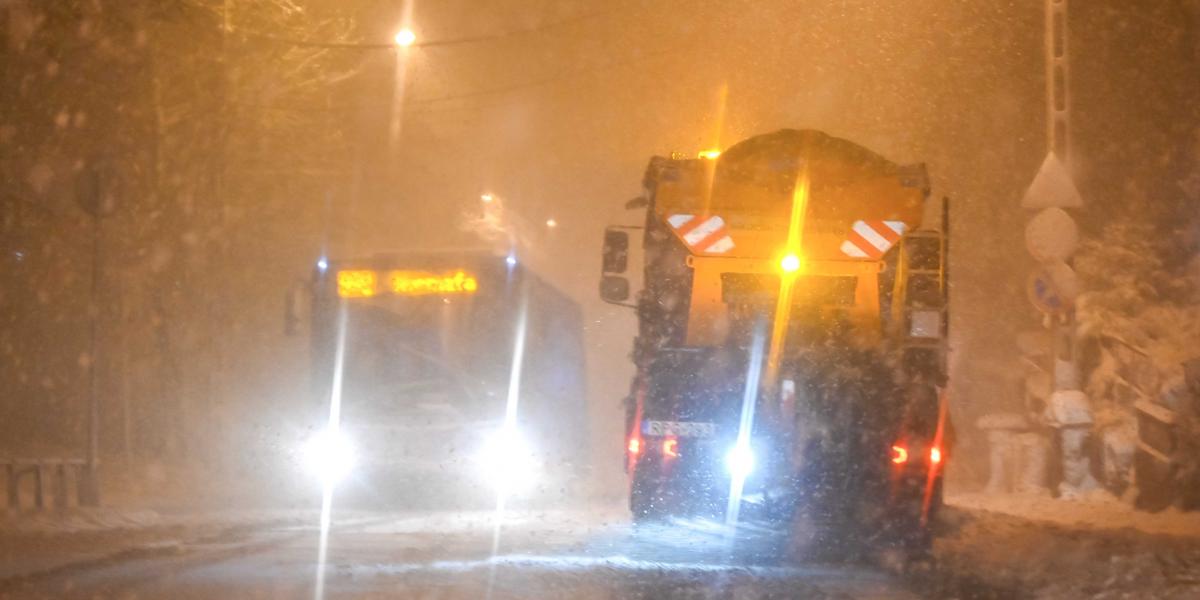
x,y
443,378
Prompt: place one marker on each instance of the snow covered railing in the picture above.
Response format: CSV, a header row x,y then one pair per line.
x,y
53,474
1132,375
1155,424
1165,464
1152,463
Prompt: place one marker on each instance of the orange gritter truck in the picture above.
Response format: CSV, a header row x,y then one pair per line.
x,y
790,353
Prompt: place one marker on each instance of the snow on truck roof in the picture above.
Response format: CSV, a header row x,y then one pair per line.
x,y
775,160
753,184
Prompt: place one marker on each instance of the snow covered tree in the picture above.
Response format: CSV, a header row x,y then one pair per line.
x,y
1140,316
218,126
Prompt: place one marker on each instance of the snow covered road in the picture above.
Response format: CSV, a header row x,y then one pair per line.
x,y
579,555
1046,550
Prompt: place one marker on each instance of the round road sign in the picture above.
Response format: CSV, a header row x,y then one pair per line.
x,y
1045,295
1065,281
1051,235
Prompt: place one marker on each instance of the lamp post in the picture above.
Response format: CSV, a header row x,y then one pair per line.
x,y
95,195
404,40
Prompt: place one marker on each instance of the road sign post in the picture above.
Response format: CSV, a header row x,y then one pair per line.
x,y
1051,237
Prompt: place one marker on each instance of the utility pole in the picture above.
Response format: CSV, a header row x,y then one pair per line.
x,y
1058,141
1058,77
95,197
1051,236
90,494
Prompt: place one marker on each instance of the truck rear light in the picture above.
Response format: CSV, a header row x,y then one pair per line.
x,y
670,448
935,455
899,455
635,446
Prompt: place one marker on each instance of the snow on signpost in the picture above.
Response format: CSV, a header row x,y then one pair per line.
x,y
1051,237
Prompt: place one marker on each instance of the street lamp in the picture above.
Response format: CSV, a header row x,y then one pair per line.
x,y
551,223
405,38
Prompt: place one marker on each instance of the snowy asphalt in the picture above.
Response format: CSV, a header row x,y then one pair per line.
x,y
580,555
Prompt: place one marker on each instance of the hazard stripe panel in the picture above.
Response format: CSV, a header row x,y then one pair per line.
x,y
872,239
699,234
851,250
678,221
702,234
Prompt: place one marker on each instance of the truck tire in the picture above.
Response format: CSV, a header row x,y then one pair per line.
x,y
913,535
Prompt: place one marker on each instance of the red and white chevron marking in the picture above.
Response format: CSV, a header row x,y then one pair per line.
x,y
872,239
702,234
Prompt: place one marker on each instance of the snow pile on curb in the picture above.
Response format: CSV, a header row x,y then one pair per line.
x,y
1097,549
1098,510
77,520
106,519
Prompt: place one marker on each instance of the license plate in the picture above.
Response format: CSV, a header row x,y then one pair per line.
x,y
679,428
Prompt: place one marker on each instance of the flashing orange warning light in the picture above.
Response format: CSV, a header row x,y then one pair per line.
x,y
635,445
790,263
935,455
670,448
899,455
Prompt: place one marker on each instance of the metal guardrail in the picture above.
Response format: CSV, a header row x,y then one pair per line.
x,y
52,477
1162,463
1152,464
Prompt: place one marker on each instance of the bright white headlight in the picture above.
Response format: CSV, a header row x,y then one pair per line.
x,y
740,461
508,461
329,456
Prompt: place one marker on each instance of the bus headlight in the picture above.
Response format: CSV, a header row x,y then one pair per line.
x,y
740,461
508,461
329,456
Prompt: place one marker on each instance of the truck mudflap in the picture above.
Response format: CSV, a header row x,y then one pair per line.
x,y
677,476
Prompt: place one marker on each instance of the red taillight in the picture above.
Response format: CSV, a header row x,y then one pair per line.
x,y
670,448
635,445
935,455
899,455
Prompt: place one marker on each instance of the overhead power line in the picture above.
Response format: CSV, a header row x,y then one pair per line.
x,y
550,80
545,81
344,45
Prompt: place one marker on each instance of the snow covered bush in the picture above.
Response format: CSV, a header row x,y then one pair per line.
x,y
1137,322
1140,316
